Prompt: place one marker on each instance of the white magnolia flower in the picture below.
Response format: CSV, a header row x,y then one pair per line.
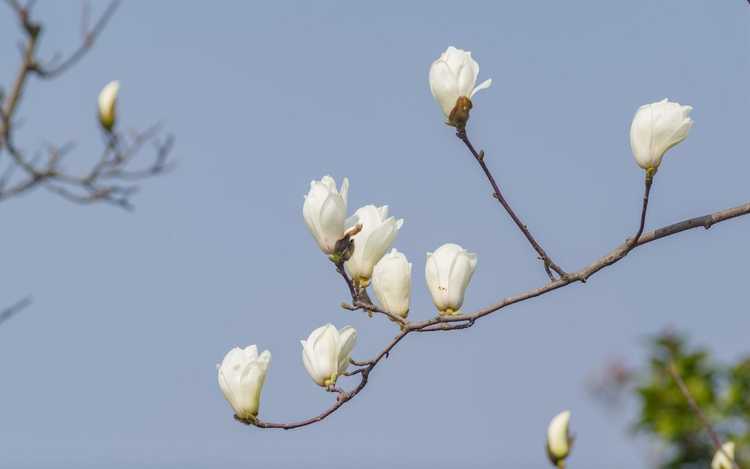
x,y
448,272
325,212
107,104
391,281
378,232
558,437
452,76
656,128
721,461
326,353
241,377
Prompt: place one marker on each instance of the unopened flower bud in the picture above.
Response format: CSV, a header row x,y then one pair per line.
x,y
326,353
324,211
242,374
656,128
559,441
108,105
372,242
448,272
391,281
453,79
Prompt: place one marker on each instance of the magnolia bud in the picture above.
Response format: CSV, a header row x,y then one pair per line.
x,y
448,272
724,458
324,211
453,77
559,441
326,353
108,104
241,377
372,242
656,128
391,281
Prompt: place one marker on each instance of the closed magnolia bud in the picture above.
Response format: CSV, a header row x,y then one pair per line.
x,y
724,458
453,79
108,104
559,441
656,128
324,211
372,242
391,281
448,272
326,353
241,377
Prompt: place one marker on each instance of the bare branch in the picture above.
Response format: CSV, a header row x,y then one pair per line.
x,y
87,42
14,309
479,157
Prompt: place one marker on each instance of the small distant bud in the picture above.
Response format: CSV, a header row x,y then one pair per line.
x,y
559,441
723,458
108,105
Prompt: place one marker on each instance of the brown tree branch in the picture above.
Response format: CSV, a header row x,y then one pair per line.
x,y
32,31
646,191
53,70
713,436
464,321
479,157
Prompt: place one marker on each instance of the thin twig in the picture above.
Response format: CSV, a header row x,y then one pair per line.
x,y
87,42
349,282
479,157
14,309
713,436
646,191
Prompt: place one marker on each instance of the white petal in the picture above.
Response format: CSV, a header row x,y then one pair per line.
x,y
347,341
482,86
444,86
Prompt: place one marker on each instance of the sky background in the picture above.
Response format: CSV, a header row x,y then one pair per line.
x,y
114,364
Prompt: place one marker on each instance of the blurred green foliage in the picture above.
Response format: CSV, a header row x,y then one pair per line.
x,y
721,390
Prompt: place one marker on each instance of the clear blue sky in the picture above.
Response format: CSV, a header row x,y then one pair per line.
x,y
114,365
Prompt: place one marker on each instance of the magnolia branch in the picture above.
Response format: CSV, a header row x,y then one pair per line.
x,y
111,178
464,321
479,157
